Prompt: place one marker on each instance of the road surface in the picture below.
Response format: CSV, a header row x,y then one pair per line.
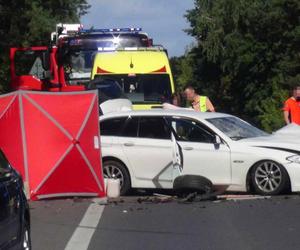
x,y
134,224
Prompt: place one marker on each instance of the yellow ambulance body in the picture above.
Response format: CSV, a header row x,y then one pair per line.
x,y
144,74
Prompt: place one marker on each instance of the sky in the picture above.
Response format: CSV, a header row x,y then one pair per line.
x,y
163,20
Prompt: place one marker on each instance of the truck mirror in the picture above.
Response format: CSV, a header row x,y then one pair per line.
x,y
47,74
46,60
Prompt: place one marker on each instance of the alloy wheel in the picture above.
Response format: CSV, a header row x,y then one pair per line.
x,y
113,172
268,176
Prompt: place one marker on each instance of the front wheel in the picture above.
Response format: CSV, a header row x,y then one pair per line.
x,y
116,170
269,178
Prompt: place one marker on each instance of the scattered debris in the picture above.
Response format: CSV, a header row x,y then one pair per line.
x,y
196,197
156,199
239,197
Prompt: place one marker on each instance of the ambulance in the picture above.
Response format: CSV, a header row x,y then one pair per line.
x,y
143,74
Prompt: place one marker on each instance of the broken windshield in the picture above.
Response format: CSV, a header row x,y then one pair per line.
x,y
236,128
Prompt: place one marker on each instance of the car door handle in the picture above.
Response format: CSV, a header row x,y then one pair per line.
x,y
188,148
128,144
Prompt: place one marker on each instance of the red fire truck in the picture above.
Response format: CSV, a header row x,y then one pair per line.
x,y
66,64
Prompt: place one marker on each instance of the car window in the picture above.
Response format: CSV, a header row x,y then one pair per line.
x,y
131,127
154,128
189,130
113,126
4,166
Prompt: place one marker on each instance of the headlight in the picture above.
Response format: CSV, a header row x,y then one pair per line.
x,y
294,158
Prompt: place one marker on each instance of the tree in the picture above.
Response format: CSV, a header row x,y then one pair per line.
x,y
248,55
30,22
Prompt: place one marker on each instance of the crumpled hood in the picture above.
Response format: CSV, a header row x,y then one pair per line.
x,y
286,138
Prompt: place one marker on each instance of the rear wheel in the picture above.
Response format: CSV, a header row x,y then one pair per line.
x,y
116,170
269,178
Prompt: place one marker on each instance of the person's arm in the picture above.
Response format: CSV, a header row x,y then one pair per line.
x,y
286,113
286,117
209,105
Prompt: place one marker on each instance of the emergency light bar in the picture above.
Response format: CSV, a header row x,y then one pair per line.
x,y
110,30
111,49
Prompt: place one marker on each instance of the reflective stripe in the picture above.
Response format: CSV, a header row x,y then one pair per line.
x,y
202,104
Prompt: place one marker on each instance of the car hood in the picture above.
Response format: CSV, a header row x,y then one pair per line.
x,y
286,139
274,142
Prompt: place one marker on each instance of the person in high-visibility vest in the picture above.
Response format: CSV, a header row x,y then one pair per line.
x,y
199,102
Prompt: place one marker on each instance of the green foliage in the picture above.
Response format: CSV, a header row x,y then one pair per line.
x,y
30,23
247,57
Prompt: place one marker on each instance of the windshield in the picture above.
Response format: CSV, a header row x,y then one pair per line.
x,y
78,64
236,128
143,88
108,89
78,53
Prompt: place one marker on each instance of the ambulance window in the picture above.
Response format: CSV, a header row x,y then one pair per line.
x,y
112,127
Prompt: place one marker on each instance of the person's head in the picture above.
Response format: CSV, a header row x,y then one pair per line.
x,y
190,93
296,93
176,100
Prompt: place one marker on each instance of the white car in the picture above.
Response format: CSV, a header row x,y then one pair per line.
x,y
150,149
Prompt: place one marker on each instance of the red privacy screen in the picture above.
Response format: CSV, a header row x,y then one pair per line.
x,y
53,140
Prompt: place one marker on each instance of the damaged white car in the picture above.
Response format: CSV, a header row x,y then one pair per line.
x,y
150,149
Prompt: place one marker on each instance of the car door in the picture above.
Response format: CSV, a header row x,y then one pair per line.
x,y
10,203
109,130
147,145
201,154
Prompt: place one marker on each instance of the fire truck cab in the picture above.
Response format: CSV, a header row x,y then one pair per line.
x,y
67,63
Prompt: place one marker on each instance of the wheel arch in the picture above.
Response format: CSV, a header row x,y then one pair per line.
x,y
112,158
249,184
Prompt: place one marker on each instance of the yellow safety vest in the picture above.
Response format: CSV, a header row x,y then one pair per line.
x,y
202,104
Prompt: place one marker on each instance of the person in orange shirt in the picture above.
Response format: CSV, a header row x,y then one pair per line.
x,y
291,109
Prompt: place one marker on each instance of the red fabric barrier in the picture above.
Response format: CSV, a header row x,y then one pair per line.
x,y
53,140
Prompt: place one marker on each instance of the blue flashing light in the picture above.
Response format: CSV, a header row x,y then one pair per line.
x,y
110,30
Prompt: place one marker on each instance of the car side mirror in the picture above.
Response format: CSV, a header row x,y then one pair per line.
x,y
47,74
46,60
218,140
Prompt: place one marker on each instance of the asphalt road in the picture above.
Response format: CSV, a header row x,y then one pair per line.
x,y
236,224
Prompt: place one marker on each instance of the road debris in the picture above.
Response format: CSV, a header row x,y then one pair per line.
x,y
240,197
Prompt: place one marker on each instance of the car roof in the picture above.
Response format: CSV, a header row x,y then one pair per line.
x,y
163,112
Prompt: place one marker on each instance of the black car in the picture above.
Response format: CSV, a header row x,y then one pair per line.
x,y
14,210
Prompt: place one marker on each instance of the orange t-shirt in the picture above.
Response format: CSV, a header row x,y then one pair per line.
x,y
293,106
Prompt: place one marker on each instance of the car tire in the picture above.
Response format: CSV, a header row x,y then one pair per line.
x,y
192,183
26,238
115,169
269,178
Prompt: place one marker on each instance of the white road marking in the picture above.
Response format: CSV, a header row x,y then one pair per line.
x,y
83,234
